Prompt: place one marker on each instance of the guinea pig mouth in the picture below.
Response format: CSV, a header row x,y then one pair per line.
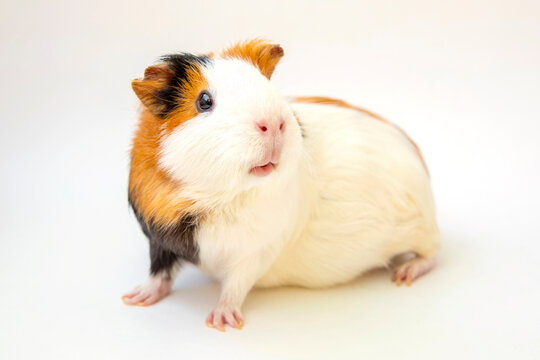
x,y
263,170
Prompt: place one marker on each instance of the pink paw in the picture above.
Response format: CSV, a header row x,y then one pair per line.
x,y
225,315
412,270
148,293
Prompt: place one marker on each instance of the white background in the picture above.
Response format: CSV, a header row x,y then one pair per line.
x,y
461,77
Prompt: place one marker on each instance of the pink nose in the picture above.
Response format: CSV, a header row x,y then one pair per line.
x,y
272,128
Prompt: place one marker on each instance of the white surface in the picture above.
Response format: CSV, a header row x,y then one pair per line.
x,y
461,77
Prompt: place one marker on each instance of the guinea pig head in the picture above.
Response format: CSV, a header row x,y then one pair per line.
x,y
221,125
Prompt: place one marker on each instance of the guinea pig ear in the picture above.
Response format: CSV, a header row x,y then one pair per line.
x,y
156,78
260,53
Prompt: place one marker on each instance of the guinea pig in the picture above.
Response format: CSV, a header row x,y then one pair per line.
x,y
259,190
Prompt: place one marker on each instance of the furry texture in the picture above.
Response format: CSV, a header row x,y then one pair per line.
x,y
346,198
341,103
258,52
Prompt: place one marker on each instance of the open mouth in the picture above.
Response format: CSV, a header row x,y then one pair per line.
x,y
263,170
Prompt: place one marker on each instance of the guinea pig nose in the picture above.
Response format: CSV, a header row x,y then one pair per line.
x,y
282,126
272,127
262,127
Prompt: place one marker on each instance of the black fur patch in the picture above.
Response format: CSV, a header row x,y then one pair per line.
x,y
162,261
170,244
178,63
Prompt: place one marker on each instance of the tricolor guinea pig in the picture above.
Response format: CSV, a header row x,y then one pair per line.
x,y
260,190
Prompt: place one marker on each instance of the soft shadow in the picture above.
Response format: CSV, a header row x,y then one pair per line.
x,y
200,293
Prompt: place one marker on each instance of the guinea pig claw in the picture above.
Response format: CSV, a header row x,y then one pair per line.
x,y
239,321
210,321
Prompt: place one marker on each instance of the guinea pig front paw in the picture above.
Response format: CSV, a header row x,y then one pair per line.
x,y
225,314
153,290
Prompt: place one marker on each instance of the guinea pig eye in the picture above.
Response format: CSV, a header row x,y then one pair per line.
x,y
204,102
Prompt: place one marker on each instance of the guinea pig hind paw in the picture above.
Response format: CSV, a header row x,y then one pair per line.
x,y
412,270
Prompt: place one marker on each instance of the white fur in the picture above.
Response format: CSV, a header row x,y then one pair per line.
x,y
346,198
368,197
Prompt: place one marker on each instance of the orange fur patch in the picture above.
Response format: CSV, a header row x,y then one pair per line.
x,y
155,78
341,103
258,52
154,194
